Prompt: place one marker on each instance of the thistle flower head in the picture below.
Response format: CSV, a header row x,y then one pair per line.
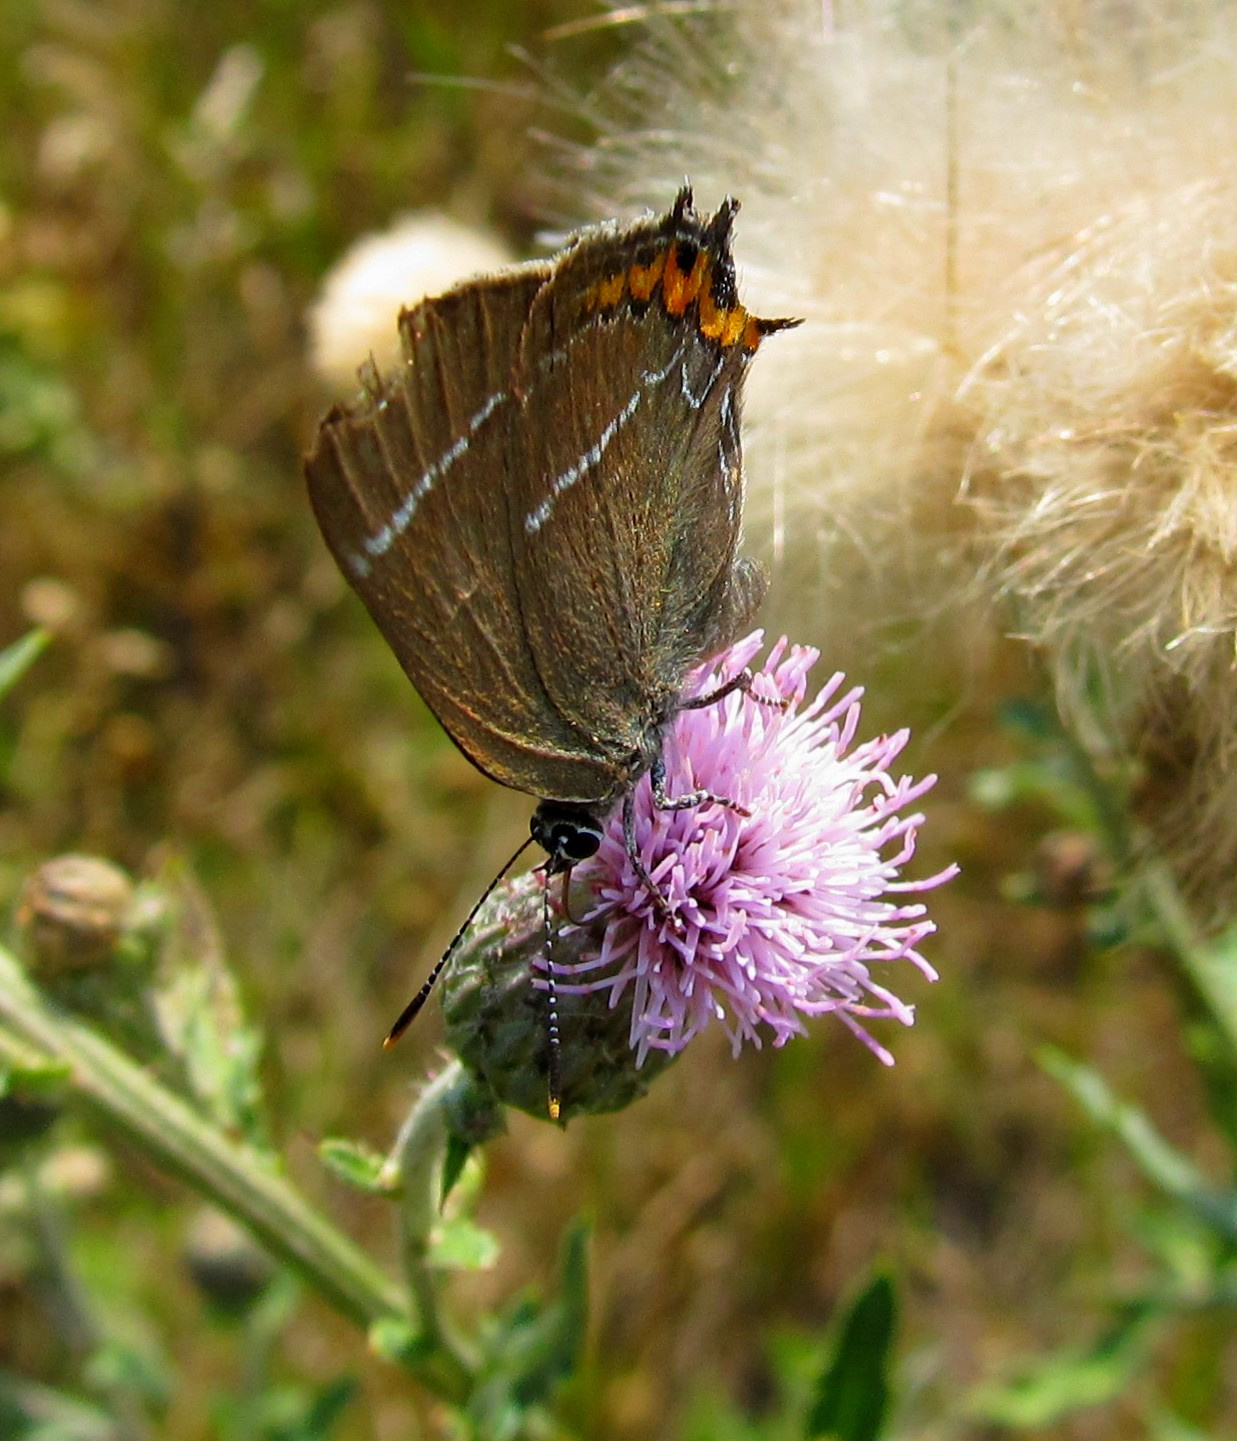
x,y
778,910
773,909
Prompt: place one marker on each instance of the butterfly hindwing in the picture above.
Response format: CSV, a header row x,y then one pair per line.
x,y
393,480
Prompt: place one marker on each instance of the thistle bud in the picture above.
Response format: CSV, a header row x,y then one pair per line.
x,y
496,1009
91,940
73,912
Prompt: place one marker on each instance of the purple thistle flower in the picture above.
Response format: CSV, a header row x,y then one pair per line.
x,y
777,914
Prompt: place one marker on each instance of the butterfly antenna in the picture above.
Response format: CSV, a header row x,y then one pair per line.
x,y
413,1009
554,1063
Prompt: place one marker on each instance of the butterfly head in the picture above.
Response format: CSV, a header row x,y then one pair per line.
x,y
567,832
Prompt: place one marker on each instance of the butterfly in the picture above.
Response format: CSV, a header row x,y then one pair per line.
x,y
541,506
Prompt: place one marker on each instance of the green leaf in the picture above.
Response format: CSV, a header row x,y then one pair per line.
x,y
573,1284
1167,1427
395,1340
1207,967
453,1163
36,1079
300,1414
287,1412
713,1416
23,1122
1214,971
1067,1381
358,1165
852,1395
1166,1168
116,1366
324,1410
462,1245
16,659
533,1347
201,1017
30,1411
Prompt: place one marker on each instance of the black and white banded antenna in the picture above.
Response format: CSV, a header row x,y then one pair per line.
x,y
553,1035
413,1009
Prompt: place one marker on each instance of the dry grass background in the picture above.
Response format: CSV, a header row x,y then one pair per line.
x,y
174,182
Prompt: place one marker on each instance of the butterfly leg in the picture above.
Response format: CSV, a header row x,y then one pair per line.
x,y
663,802
741,682
660,904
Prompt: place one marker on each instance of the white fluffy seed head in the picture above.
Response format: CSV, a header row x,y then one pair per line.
x,y
1016,248
355,315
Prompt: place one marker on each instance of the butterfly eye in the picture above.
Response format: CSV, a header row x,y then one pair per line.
x,y
576,842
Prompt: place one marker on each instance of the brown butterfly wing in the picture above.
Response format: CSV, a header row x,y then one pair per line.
x,y
410,487
625,541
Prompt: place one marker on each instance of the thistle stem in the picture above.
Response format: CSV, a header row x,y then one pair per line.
x,y
417,1157
239,1180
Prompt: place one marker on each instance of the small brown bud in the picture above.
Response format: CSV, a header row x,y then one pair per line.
x,y
73,911
1071,869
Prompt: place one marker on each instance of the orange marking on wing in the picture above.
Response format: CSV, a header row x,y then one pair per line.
x,y
735,325
697,279
752,333
610,291
712,316
674,284
642,279
680,287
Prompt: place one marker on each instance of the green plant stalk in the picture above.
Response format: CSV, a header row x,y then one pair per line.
x,y
1208,975
417,1154
234,1177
